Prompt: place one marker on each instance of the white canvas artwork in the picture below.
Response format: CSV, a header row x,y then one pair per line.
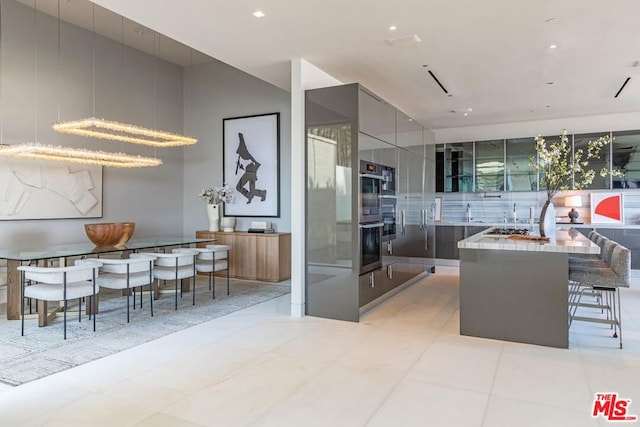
x,y
251,152
33,189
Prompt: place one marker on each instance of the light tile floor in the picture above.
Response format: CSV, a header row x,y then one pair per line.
x,y
404,364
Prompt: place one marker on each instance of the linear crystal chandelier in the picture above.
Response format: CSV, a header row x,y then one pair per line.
x,y
32,150
115,131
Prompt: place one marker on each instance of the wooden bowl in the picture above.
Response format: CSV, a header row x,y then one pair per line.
x,y
110,233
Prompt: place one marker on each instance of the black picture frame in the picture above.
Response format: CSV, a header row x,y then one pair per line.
x,y
251,165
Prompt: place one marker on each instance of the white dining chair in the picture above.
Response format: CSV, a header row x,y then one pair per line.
x,y
174,266
209,260
127,274
221,260
60,284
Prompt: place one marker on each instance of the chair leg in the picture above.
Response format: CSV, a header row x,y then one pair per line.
x,y
79,310
64,321
619,317
22,301
227,279
150,296
212,283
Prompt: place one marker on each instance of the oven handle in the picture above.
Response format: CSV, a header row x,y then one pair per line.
x,y
387,196
375,225
373,176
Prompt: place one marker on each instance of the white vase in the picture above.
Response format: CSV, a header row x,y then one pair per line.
x,y
548,220
228,223
213,211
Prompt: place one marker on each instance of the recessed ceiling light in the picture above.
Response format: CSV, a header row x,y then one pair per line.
x,y
469,109
553,46
258,14
393,28
551,20
466,114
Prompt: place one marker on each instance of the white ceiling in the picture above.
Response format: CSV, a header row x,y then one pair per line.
x,y
492,56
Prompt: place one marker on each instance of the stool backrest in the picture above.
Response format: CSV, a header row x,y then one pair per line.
x,y
621,264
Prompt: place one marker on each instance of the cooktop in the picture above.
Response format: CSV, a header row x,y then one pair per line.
x,y
507,231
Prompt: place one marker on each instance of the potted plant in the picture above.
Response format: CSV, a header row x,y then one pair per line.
x,y
214,197
561,168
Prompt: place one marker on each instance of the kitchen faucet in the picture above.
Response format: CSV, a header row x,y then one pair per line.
x,y
515,214
468,212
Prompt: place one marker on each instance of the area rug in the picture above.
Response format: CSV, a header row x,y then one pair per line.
x,y
42,351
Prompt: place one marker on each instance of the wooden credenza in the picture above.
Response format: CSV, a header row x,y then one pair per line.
x,y
255,256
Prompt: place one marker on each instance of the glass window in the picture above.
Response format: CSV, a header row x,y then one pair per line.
x,y
519,173
626,158
490,165
597,164
459,167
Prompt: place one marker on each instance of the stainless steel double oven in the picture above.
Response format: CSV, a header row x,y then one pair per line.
x,y
377,212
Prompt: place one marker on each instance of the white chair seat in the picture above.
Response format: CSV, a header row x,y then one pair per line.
x,y
118,281
207,266
55,292
168,273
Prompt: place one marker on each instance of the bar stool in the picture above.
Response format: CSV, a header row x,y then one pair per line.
x,y
607,280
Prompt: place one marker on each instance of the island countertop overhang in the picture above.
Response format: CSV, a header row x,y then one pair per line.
x,y
565,241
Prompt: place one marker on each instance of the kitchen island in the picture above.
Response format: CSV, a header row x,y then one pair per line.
x,y
517,290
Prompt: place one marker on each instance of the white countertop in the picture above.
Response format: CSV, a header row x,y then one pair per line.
x,y
563,242
528,225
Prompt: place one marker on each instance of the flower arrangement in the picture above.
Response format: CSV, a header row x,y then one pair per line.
x,y
217,195
561,169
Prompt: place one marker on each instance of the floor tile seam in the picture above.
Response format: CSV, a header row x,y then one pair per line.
x,y
168,415
533,402
493,384
274,407
400,380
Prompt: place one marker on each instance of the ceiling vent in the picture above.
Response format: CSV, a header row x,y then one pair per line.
x,y
404,40
433,76
622,87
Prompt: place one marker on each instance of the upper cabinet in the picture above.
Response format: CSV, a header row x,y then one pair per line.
x,y
458,167
519,172
490,165
377,117
626,159
409,133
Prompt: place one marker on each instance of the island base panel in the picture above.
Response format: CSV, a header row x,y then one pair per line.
x,y
514,296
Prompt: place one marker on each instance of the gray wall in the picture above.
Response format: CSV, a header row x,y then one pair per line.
x,y
213,92
124,83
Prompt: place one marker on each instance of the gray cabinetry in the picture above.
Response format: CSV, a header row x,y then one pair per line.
x,y
448,236
377,117
346,124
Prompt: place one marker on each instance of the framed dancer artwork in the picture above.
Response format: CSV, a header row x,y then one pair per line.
x,y
251,165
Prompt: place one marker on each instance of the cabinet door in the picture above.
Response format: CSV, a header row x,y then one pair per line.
x,y
409,134
411,233
377,117
447,238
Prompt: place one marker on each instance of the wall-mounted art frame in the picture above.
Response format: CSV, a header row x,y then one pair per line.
x,y
607,208
437,209
251,165
38,189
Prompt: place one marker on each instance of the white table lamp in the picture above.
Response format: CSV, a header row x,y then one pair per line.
x,y
573,202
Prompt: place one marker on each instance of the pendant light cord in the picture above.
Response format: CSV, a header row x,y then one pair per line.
x,y
93,54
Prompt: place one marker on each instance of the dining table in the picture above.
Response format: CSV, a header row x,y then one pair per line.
x,y
38,254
